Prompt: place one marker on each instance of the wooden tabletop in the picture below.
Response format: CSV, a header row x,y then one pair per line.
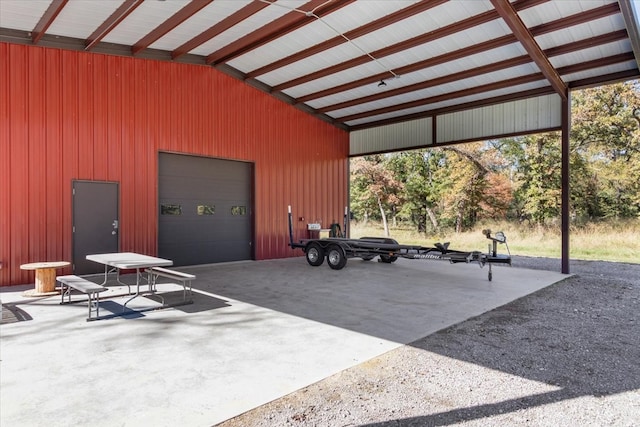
x,y
49,264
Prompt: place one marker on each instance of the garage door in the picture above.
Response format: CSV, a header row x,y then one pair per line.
x,y
205,212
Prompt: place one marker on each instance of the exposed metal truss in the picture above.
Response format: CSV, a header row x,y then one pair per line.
x,y
358,64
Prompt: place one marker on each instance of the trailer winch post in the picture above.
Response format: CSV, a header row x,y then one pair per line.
x,y
344,229
290,228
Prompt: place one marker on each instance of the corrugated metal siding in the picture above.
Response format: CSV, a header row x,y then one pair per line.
x,y
394,137
523,116
530,115
72,115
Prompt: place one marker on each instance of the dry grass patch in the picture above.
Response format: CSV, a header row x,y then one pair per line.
x,y
617,241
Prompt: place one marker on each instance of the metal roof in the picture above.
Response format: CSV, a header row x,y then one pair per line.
x,y
358,64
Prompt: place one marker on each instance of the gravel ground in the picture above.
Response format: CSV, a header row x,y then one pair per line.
x,y
567,355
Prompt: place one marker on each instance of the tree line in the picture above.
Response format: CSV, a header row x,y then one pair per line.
x,y
513,178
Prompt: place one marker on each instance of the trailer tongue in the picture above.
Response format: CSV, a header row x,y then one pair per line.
x,y
337,250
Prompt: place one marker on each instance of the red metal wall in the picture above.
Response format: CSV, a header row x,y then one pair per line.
x,y
68,115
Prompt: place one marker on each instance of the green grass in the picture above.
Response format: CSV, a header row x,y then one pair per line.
x,y
617,241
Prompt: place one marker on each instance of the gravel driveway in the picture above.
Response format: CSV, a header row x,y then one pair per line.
x,y
567,355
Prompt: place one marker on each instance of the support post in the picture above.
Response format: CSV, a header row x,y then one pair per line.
x,y
566,199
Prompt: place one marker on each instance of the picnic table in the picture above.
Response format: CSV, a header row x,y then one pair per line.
x,y
119,261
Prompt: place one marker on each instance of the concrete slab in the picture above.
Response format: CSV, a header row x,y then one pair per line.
x,y
256,331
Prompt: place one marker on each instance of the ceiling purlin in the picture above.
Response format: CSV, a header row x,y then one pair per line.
x,y
576,19
111,22
47,19
619,76
465,74
547,90
496,66
281,26
465,24
416,66
390,19
445,96
489,87
510,16
178,18
597,63
231,20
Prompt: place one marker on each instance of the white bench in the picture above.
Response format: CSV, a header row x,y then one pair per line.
x,y
184,278
85,286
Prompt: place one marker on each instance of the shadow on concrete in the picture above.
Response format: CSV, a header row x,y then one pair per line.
x,y
399,302
580,338
199,302
11,314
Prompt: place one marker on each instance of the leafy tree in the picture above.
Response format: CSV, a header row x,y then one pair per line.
x,y
606,134
514,177
536,175
415,169
374,187
465,178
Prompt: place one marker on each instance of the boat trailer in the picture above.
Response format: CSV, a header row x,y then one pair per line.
x,y
337,249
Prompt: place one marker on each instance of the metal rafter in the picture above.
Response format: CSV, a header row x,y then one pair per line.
x,y
404,45
281,26
274,31
561,23
473,72
510,16
405,13
231,20
458,107
111,22
178,18
489,87
47,19
547,90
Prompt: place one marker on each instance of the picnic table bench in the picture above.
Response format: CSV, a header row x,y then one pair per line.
x,y
184,278
85,286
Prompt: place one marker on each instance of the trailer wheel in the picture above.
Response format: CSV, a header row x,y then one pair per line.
x,y
336,257
314,254
388,258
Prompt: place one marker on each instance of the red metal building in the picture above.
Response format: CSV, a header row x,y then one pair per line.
x,y
69,115
290,91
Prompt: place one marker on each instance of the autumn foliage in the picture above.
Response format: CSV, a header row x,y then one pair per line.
x,y
519,179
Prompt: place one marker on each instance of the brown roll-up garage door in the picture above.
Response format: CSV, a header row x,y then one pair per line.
x,y
205,209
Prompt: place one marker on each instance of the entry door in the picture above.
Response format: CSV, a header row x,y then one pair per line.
x,y
95,223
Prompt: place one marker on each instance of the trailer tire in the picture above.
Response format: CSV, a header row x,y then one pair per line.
x,y
314,254
336,258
